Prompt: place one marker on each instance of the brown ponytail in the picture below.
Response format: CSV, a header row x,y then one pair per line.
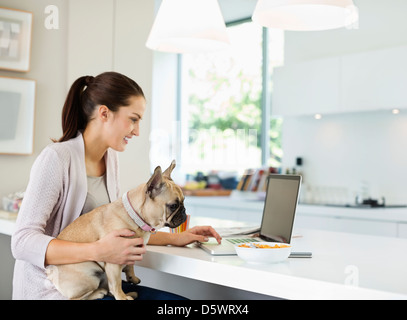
x,y
111,89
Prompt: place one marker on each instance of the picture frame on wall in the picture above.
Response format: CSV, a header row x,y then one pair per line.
x,y
15,39
17,109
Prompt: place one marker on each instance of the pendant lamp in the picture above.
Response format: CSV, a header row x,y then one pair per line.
x,y
305,15
188,26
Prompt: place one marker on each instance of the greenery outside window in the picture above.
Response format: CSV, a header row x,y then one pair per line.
x,y
222,109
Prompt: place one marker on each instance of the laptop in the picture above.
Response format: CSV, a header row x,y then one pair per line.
x,y
280,204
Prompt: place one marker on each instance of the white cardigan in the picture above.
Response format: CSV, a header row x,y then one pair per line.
x,y
54,197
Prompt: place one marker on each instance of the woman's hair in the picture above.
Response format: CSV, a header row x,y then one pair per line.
x,y
111,89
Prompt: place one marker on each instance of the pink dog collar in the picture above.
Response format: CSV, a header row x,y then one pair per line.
x,y
135,216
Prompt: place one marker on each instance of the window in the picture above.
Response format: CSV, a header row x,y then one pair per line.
x,y
221,109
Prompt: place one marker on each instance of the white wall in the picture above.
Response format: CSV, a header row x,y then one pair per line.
x,y
93,36
351,151
110,35
48,68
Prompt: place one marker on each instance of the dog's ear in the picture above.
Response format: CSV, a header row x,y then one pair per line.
x,y
155,185
167,172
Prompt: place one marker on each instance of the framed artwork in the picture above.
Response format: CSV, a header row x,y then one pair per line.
x,y
15,39
17,104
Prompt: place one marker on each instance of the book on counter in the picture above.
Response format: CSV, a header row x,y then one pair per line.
x,y
255,179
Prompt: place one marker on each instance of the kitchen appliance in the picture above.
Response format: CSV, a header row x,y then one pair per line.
x,y
370,202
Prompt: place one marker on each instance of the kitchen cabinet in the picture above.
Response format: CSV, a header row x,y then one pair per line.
x,y
221,209
374,80
366,81
307,88
340,224
387,222
402,230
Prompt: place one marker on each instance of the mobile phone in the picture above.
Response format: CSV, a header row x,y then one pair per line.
x,y
300,255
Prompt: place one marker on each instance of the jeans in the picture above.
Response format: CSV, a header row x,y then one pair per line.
x,y
146,293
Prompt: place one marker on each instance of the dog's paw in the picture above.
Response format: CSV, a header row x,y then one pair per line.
x,y
133,279
98,294
132,295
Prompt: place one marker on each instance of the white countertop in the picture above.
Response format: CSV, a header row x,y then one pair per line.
x,y
378,264
343,266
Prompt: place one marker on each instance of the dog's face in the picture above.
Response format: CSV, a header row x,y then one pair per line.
x,y
164,200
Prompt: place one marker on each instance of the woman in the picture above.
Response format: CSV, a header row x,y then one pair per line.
x,y
77,174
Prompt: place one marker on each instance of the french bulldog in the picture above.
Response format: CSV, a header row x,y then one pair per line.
x,y
150,206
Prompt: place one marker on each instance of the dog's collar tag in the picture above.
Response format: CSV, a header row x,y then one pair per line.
x,y
135,216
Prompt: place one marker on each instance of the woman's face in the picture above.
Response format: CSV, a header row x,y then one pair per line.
x,y
125,123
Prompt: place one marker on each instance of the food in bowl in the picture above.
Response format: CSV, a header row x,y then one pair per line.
x,y
263,246
263,252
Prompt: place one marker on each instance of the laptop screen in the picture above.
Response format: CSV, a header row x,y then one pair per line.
x,y
279,207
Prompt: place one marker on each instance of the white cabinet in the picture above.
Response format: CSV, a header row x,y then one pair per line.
x,y
225,208
223,213
402,230
379,222
374,228
340,224
306,88
373,80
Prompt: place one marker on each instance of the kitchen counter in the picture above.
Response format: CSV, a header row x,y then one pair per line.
x,y
380,214
343,266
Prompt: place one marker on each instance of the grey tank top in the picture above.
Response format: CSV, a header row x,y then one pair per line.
x,y
97,193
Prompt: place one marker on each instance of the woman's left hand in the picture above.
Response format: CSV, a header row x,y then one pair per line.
x,y
196,234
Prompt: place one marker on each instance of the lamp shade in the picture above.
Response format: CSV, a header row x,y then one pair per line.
x,y
188,26
305,15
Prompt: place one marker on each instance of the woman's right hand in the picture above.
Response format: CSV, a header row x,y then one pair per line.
x,y
117,249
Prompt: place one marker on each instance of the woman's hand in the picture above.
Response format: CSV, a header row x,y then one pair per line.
x,y
195,234
116,248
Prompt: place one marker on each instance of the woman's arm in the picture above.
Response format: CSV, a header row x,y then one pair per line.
x,y
113,248
195,234
116,248
64,252
29,240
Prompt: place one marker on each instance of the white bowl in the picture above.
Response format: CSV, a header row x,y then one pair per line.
x,y
263,255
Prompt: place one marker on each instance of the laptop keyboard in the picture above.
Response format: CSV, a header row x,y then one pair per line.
x,y
236,241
